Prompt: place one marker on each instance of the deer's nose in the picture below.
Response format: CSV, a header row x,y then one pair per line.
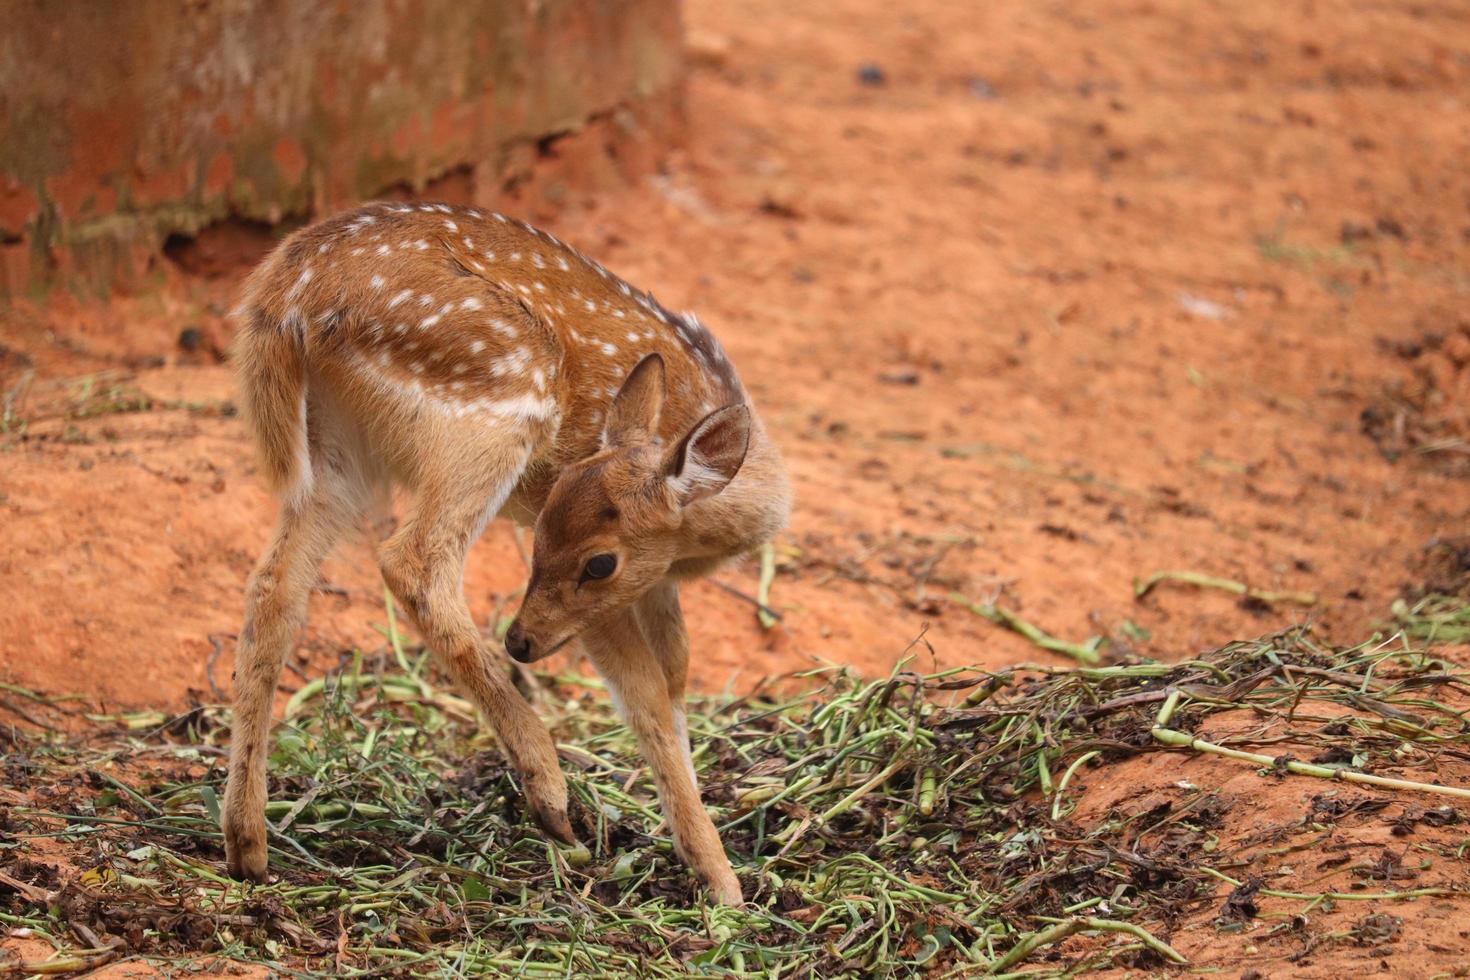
x,y
517,644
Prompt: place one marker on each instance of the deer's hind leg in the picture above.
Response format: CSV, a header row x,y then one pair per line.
x,y
423,564
275,608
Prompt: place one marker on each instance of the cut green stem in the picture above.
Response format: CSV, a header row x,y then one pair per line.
x,y
1085,653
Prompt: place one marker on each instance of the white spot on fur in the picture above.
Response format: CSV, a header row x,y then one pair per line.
x,y
519,410
377,281
523,408
512,364
301,282
476,346
450,225
471,303
399,297
609,349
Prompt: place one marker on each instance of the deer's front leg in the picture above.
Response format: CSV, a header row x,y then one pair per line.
x,y
662,622
622,653
423,564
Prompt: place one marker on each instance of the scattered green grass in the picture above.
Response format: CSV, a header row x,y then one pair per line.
x,y
1275,249
1435,619
1202,581
914,823
1083,653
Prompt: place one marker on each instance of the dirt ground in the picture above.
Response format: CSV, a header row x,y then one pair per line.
x,y
1038,299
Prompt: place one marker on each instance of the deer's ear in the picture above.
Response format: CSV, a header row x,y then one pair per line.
x,y
705,461
633,417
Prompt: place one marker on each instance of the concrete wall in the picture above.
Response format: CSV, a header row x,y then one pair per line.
x,y
123,121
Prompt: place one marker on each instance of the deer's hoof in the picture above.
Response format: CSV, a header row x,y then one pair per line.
x,y
554,823
245,853
725,888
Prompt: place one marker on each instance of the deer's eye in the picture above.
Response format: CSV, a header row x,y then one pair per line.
x,y
599,566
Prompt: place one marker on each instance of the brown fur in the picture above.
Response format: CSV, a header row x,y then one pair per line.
x,y
494,370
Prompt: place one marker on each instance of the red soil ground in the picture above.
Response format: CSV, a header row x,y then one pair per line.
x,y
1072,297
1073,294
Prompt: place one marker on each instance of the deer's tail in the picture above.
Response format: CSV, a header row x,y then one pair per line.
x,y
270,367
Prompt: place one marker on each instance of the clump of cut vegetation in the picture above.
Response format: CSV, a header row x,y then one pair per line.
x,y
918,822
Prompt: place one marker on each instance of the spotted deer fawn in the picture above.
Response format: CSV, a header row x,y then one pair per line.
x,y
493,370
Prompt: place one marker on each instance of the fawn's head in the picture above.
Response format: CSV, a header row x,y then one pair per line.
x,y
613,523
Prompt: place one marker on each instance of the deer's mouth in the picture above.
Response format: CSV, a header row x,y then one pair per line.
x,y
535,652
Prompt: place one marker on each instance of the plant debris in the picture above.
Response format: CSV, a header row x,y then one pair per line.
x,y
914,822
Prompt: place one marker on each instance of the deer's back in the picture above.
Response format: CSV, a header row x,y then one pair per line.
x,y
420,321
